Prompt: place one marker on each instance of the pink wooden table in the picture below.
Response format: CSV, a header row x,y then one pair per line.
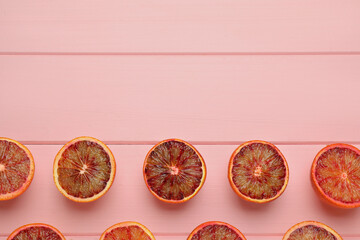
x,y
215,73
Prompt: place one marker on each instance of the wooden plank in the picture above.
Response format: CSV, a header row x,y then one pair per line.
x,y
129,199
186,26
217,99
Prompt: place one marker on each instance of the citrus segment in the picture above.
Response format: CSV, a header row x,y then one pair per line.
x,y
174,171
258,172
36,231
216,231
311,230
16,168
127,231
84,169
336,175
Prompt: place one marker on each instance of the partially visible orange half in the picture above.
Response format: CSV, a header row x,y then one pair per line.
x,y
174,171
258,171
311,230
127,231
38,231
217,231
335,174
17,168
84,169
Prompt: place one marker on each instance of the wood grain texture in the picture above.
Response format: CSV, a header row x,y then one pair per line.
x,y
171,26
217,99
129,199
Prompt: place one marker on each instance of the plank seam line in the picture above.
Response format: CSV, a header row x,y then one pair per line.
x,y
178,53
195,142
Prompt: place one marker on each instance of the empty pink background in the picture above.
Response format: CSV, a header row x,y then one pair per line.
x,y
214,73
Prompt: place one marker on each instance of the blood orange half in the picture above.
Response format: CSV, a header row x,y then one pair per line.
x,y
258,172
216,231
38,231
174,171
16,168
335,175
84,169
127,231
311,230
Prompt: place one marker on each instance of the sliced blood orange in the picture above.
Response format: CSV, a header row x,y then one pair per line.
x,y
335,174
216,231
84,169
311,230
38,231
16,168
174,171
258,172
127,231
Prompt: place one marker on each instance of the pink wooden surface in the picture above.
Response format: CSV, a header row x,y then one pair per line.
x,y
216,99
180,26
215,73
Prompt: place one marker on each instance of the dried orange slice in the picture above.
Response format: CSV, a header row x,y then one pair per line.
x,y
216,231
16,168
84,169
38,231
311,230
258,172
127,231
174,171
335,174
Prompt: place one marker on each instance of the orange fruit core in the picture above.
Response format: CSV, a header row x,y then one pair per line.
x,y
258,171
15,167
84,169
216,231
174,171
132,232
337,172
311,232
38,233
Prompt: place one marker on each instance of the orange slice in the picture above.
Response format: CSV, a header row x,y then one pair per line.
x,y
258,172
335,175
311,230
174,171
127,231
38,231
84,169
217,231
16,168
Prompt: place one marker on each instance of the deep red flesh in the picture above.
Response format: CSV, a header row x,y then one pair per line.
x,y
338,174
311,232
84,169
173,170
216,232
37,233
127,233
14,167
258,171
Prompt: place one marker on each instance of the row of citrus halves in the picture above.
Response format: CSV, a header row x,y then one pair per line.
x,y
174,171
208,230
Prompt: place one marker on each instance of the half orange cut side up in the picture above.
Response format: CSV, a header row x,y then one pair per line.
x,y
258,171
174,171
335,174
127,231
38,231
311,230
17,168
217,231
84,169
